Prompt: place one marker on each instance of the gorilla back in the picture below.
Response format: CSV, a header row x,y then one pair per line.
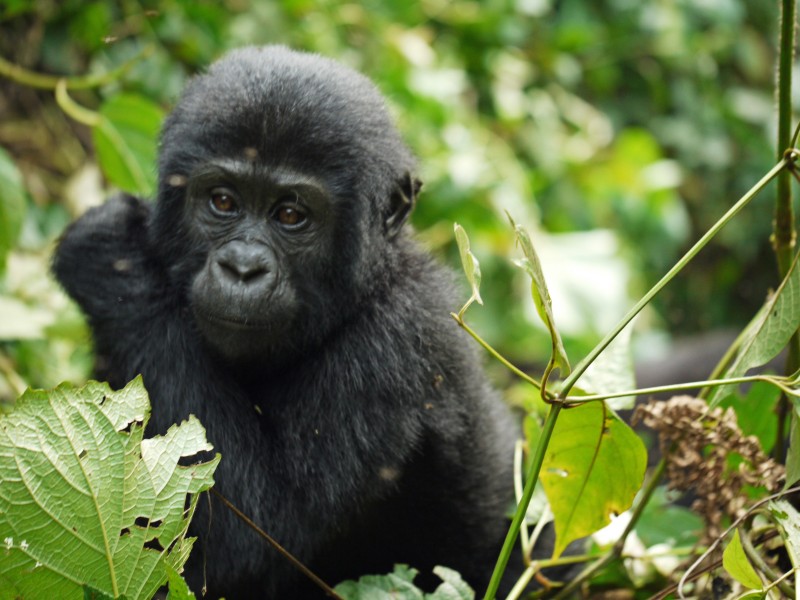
x,y
274,291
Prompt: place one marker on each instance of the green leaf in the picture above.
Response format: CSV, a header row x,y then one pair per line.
x,y
735,562
89,593
12,205
793,454
399,585
79,481
541,297
453,586
178,590
768,333
665,522
126,141
592,470
788,519
472,268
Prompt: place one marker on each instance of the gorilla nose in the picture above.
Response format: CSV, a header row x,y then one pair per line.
x,y
240,262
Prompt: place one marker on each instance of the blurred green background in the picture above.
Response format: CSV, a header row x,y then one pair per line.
x,y
617,131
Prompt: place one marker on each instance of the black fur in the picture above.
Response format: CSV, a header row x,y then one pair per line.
x,y
358,429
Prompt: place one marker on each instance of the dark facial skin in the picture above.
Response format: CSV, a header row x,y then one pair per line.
x,y
260,228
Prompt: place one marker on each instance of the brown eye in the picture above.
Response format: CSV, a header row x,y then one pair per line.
x,y
290,216
223,203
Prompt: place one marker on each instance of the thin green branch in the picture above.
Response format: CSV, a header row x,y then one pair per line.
x,y
80,113
784,237
782,383
511,367
50,82
579,370
522,507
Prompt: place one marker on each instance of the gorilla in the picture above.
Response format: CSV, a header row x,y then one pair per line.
x,y
274,290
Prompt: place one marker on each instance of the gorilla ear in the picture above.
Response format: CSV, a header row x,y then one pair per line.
x,y
401,204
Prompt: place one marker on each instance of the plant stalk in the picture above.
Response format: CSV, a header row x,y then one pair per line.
x,y
522,507
784,236
579,370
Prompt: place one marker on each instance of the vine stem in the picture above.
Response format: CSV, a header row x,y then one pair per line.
x,y
522,507
44,81
782,383
499,357
784,235
788,159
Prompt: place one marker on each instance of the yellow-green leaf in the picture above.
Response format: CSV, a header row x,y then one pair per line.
x,y
592,470
735,562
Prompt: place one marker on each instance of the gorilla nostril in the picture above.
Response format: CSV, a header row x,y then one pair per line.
x,y
238,273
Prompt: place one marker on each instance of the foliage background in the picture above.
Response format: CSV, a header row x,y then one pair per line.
x,y
617,131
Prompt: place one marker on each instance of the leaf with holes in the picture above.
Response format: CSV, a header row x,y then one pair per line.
x,y
592,470
86,501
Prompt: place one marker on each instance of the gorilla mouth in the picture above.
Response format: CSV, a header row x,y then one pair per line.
x,y
235,323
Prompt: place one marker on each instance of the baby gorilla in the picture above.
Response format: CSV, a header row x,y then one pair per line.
x,y
274,291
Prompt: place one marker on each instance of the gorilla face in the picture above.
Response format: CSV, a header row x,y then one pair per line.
x,y
267,236
282,184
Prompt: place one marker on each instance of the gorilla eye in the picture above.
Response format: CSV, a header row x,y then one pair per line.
x,y
223,203
290,216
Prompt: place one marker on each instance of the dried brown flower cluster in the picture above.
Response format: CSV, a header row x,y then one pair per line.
x,y
698,443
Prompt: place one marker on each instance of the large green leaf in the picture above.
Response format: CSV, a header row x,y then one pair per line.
x,y
85,500
12,205
592,470
768,333
126,141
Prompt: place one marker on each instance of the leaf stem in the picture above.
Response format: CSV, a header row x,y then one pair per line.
x,y
782,383
511,367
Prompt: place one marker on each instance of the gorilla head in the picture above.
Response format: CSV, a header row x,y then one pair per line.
x,y
282,182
